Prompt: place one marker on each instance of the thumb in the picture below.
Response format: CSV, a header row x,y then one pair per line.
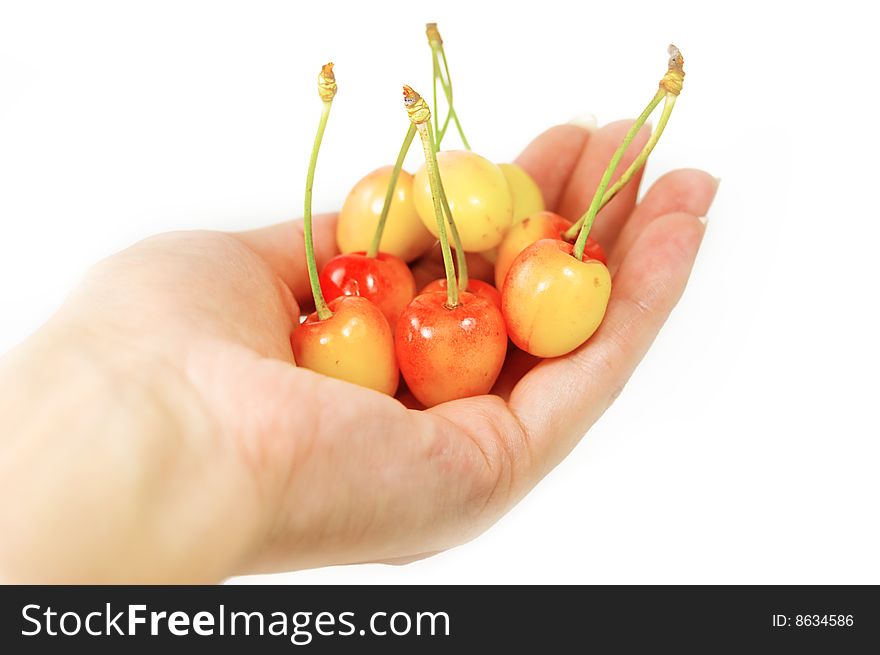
x,y
282,246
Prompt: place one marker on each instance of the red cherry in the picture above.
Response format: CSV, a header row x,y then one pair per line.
x,y
384,279
445,353
476,287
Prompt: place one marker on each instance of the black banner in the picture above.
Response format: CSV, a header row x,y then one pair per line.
x,y
437,619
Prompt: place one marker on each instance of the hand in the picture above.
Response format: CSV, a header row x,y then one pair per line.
x,y
156,429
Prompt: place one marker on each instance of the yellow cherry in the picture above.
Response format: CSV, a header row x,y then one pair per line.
x,y
527,198
404,235
552,303
478,196
541,225
355,344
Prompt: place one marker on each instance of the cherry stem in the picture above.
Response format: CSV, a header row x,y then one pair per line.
x,y
389,193
460,255
590,215
669,87
436,74
443,129
452,111
434,178
437,52
320,304
633,168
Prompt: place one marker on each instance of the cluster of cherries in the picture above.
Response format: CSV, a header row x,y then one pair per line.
x,y
450,339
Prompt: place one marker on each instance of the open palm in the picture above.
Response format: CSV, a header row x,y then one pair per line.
x,y
283,468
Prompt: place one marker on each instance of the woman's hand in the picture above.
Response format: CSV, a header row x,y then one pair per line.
x,y
156,428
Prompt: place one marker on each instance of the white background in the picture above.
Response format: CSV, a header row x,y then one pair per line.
x,y
744,449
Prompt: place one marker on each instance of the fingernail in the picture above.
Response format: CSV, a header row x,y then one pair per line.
x,y
703,219
586,120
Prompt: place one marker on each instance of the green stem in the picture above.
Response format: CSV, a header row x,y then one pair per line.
x,y
434,179
460,131
633,168
447,83
590,215
320,304
443,129
448,88
460,254
639,161
389,193
435,63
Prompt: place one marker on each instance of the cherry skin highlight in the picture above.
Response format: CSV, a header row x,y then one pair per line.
x,y
552,303
355,345
404,235
384,279
478,196
476,287
445,354
541,225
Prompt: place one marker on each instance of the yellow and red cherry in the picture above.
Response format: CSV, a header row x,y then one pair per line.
x,y
541,225
449,353
476,287
449,345
552,302
355,344
524,191
404,235
478,195
384,280
348,338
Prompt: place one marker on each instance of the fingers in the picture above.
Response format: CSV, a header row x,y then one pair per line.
x,y
686,190
283,248
588,172
560,398
551,157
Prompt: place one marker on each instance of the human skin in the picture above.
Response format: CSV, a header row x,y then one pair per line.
x,y
156,430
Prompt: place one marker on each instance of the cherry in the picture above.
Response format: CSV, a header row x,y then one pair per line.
x,y
476,287
478,196
354,344
524,192
541,225
526,196
349,338
554,295
404,234
449,345
445,353
384,279
552,302
475,196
